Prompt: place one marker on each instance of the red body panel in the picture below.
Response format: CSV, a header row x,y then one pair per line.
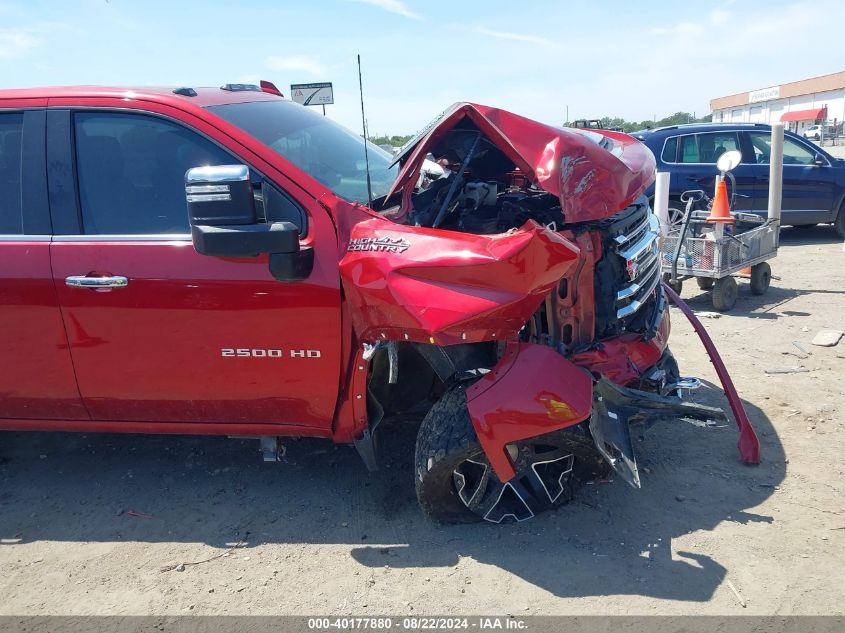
x,y
36,373
625,358
592,182
448,287
533,390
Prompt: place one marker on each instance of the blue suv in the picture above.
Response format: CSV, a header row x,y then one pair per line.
x,y
813,180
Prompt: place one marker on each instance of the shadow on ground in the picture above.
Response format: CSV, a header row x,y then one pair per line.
x,y
610,540
808,235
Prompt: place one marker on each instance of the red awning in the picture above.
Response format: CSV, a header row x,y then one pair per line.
x,y
805,115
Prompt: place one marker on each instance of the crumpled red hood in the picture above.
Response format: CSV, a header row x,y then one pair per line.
x,y
595,174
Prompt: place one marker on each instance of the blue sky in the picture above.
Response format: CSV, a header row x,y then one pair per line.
x,y
615,58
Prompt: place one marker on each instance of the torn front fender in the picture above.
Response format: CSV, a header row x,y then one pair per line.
x,y
434,286
748,444
531,391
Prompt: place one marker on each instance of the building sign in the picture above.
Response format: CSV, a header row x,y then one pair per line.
x,y
312,94
764,94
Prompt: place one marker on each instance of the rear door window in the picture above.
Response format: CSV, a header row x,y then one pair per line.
x,y
707,147
11,135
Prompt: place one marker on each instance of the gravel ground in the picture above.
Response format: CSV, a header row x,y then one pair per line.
x,y
89,524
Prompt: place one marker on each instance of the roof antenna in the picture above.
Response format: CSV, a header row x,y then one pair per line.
x,y
364,125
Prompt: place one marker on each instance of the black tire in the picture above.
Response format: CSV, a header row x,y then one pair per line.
x,y
446,440
705,283
839,222
677,286
761,277
725,292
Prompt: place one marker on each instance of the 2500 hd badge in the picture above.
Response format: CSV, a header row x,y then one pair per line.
x,y
261,352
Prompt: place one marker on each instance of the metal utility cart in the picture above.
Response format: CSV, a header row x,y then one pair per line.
x,y
690,252
696,246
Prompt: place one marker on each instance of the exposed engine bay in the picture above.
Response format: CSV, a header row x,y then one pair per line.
x,y
484,192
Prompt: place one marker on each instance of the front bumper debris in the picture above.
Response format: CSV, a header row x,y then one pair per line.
x,y
615,408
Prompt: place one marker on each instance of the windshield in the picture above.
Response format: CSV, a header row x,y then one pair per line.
x,y
317,145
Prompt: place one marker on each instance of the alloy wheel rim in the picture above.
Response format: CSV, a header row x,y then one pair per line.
x,y
543,474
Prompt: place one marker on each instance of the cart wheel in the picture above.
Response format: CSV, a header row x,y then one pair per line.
x,y
705,283
724,294
677,286
761,277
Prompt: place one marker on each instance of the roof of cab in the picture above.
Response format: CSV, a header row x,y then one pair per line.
x,y
161,94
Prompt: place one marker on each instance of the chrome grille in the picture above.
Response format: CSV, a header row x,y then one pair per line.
x,y
639,253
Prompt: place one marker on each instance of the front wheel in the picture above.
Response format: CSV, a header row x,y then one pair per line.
x,y
677,286
725,292
456,484
839,223
761,277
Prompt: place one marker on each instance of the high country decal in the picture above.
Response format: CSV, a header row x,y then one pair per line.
x,y
379,244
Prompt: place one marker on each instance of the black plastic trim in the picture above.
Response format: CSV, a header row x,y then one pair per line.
x,y
246,240
292,266
61,174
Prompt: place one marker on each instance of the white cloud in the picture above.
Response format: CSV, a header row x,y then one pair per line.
x,y
298,63
17,42
515,37
719,17
394,6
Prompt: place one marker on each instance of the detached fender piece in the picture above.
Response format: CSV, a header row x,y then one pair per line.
x,y
531,391
749,445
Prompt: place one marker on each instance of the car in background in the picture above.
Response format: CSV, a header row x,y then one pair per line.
x,y
814,132
813,180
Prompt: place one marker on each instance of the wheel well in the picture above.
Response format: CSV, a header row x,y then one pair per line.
x,y
422,374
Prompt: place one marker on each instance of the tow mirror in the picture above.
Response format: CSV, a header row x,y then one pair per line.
x,y
224,223
728,161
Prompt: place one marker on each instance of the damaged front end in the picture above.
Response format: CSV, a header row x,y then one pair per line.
x,y
525,287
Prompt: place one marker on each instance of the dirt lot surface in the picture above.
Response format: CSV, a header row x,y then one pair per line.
x,y
88,523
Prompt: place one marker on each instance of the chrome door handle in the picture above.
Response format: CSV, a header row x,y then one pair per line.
x,y
96,282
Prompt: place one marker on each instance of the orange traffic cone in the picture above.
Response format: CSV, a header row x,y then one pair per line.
x,y
720,211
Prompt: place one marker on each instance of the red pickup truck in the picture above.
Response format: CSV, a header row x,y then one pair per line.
x,y
225,261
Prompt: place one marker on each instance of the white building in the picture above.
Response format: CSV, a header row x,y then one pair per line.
x,y
799,104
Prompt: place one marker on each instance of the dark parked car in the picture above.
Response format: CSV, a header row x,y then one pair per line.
x,y
813,180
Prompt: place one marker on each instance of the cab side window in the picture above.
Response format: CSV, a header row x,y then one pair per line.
x,y
131,170
11,134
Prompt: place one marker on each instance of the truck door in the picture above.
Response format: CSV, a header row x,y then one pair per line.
x,y
159,333
36,374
